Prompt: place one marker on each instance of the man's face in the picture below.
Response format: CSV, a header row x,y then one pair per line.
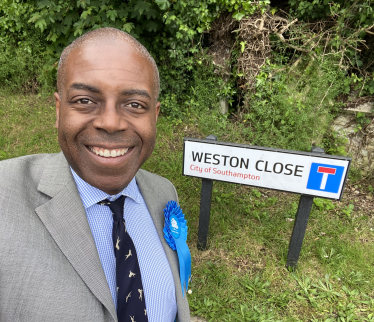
x,y
106,117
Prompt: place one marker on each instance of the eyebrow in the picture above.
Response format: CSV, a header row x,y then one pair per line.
x,y
85,87
93,89
139,92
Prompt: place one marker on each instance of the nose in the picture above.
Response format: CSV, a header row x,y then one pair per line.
x,y
109,119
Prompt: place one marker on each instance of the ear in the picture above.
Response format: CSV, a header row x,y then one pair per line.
x,y
58,102
157,109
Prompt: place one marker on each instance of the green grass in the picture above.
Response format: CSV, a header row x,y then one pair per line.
x,y
27,126
242,275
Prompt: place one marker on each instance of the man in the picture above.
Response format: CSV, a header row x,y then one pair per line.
x,y
58,249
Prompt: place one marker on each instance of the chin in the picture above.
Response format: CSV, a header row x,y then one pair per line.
x,y
112,185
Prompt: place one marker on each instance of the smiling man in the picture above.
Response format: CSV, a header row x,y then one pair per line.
x,y
81,231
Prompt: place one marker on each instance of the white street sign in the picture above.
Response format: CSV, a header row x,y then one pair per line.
x,y
311,174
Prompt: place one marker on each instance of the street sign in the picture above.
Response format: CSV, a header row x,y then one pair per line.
x,y
305,173
311,174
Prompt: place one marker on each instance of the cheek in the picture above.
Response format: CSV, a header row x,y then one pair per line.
x,y
68,137
149,138
71,125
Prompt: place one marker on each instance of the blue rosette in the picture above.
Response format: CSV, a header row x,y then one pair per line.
x,y
175,233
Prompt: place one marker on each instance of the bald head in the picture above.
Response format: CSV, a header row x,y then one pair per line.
x,y
100,36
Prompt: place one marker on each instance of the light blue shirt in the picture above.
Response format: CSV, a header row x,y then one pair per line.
x,y
157,279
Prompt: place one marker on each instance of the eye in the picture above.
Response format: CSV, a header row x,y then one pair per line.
x,y
134,105
84,101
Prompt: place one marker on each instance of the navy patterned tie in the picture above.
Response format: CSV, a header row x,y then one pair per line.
x,y
130,294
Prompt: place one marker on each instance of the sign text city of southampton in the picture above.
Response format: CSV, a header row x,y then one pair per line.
x,y
311,174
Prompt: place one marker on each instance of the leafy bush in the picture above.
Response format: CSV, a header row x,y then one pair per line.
x,y
21,65
351,22
290,109
170,30
360,12
291,105
201,91
21,48
334,143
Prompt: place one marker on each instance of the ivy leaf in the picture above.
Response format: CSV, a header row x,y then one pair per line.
x,y
238,15
84,14
41,24
78,32
142,6
151,13
122,13
44,3
51,18
163,4
127,27
34,17
112,14
68,20
151,26
52,36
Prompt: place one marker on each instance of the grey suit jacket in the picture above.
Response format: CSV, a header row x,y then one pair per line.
x,y
49,266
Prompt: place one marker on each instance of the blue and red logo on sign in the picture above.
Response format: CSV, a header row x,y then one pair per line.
x,y
325,177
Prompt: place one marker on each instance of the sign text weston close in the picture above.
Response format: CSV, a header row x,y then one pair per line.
x,y
292,171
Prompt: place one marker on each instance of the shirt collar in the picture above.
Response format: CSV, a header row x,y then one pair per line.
x,y
91,195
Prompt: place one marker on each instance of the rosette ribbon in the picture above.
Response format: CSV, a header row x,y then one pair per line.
x,y
175,233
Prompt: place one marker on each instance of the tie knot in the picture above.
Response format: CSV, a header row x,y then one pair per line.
x,y
115,206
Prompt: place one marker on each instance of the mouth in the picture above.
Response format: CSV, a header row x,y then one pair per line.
x,y
108,153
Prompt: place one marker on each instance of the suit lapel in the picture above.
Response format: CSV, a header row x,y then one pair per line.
x,y
155,207
156,198
65,219
152,200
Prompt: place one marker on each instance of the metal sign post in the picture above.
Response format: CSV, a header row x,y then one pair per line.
x,y
299,228
205,203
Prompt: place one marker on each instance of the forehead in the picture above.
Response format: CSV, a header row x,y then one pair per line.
x,y
108,62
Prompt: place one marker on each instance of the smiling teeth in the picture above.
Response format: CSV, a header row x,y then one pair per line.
x,y
109,153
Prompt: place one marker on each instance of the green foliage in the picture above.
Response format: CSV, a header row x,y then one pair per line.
x,y
354,174
197,90
17,73
334,143
171,31
21,49
290,109
323,204
348,210
358,12
361,121
364,85
14,15
241,9
348,24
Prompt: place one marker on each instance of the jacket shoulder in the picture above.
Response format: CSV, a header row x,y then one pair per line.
x,y
23,171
